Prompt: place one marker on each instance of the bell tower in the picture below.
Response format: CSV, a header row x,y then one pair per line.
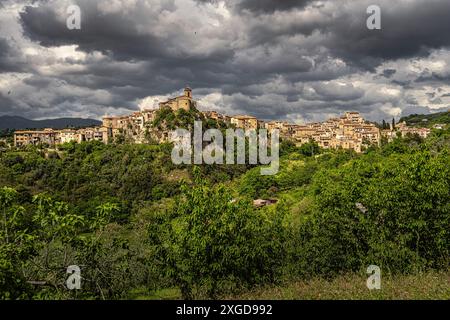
x,y
188,92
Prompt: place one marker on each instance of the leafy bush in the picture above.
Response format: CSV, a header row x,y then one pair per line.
x,y
403,228
214,244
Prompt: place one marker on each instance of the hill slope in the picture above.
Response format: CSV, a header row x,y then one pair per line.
x,y
427,120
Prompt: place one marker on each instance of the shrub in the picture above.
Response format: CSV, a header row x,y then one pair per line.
x,y
215,244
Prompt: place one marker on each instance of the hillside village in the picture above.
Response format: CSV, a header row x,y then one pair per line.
x,y
350,131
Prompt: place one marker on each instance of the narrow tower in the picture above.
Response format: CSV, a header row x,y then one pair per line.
x,y
188,92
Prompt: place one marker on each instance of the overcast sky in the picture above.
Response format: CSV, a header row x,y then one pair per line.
x,y
298,60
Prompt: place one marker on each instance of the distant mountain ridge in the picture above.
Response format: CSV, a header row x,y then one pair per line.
x,y
20,123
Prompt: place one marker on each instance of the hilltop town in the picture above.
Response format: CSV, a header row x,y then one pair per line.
x,y
350,131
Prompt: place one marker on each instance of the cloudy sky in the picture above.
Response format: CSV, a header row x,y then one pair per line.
x,y
301,60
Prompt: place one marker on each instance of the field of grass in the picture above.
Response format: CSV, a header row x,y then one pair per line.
x,y
428,286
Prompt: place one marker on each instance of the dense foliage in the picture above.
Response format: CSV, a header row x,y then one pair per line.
x,y
211,242
167,119
137,224
427,120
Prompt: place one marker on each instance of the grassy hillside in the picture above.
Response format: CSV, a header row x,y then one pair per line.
x,y
427,120
430,285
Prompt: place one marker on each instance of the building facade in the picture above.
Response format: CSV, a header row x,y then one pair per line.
x,y
245,122
184,102
349,131
35,137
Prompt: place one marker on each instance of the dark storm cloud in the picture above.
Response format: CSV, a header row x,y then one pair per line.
x,y
7,105
407,29
263,6
116,35
10,59
4,55
433,76
387,73
420,110
162,70
270,58
333,92
110,33
269,6
405,84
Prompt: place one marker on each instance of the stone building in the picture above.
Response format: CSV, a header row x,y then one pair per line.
x,y
68,135
93,134
35,137
285,128
350,131
245,122
403,128
216,116
184,102
117,122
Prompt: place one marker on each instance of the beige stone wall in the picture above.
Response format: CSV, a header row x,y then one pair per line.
x,y
22,138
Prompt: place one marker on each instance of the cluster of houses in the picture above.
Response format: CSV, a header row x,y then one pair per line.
x,y
403,129
349,131
53,137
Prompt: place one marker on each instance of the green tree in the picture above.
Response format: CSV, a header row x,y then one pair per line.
x,y
404,227
254,185
215,244
309,149
16,245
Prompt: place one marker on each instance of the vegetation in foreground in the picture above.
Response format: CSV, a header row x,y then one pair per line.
x,y
137,225
430,285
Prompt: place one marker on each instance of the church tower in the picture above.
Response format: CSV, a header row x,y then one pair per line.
x,y
188,92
